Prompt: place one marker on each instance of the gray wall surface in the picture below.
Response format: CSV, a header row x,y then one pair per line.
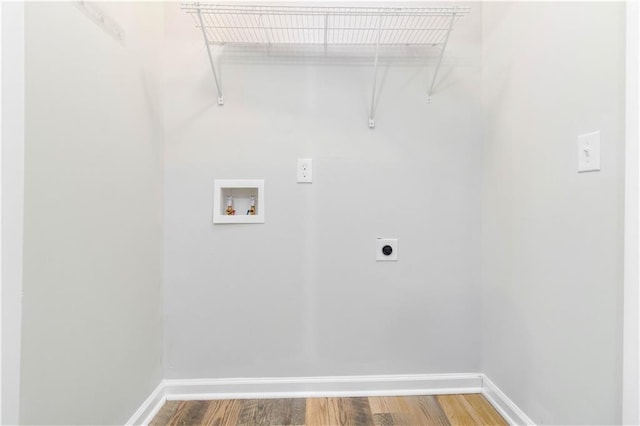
x,y
302,294
510,261
12,51
553,238
91,332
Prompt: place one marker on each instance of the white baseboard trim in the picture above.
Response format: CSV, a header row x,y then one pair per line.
x,y
149,407
329,386
310,387
507,408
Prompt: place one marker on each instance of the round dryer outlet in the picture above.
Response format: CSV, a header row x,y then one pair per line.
x,y
386,249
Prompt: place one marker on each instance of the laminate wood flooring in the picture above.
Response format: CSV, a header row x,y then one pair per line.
x,y
465,409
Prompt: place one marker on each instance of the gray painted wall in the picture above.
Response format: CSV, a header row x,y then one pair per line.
x,y
553,238
539,245
302,294
91,329
12,203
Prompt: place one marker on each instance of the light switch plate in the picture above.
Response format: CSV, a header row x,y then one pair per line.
x,y
589,152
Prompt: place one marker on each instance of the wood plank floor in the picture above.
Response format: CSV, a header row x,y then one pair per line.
x,y
467,409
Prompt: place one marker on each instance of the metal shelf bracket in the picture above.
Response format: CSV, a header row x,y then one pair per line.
x,y
108,25
213,67
372,122
444,46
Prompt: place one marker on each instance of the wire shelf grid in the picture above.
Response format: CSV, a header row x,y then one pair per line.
x,y
296,25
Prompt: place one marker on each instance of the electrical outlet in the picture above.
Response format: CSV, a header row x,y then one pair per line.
x,y
386,249
305,170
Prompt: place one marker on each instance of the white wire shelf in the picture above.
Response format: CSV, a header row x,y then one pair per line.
x,y
244,24
312,27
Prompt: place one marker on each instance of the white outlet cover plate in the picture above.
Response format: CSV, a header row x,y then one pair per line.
x,y
589,152
305,170
381,242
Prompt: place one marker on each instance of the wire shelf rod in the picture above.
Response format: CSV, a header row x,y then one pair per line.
x,y
321,28
238,10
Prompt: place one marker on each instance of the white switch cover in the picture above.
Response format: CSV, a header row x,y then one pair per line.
x,y
589,152
305,170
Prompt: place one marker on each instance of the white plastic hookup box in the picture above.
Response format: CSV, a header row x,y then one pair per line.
x,y
241,190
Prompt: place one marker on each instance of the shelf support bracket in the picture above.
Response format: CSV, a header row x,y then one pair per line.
x,y
372,121
213,68
266,34
444,46
326,24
